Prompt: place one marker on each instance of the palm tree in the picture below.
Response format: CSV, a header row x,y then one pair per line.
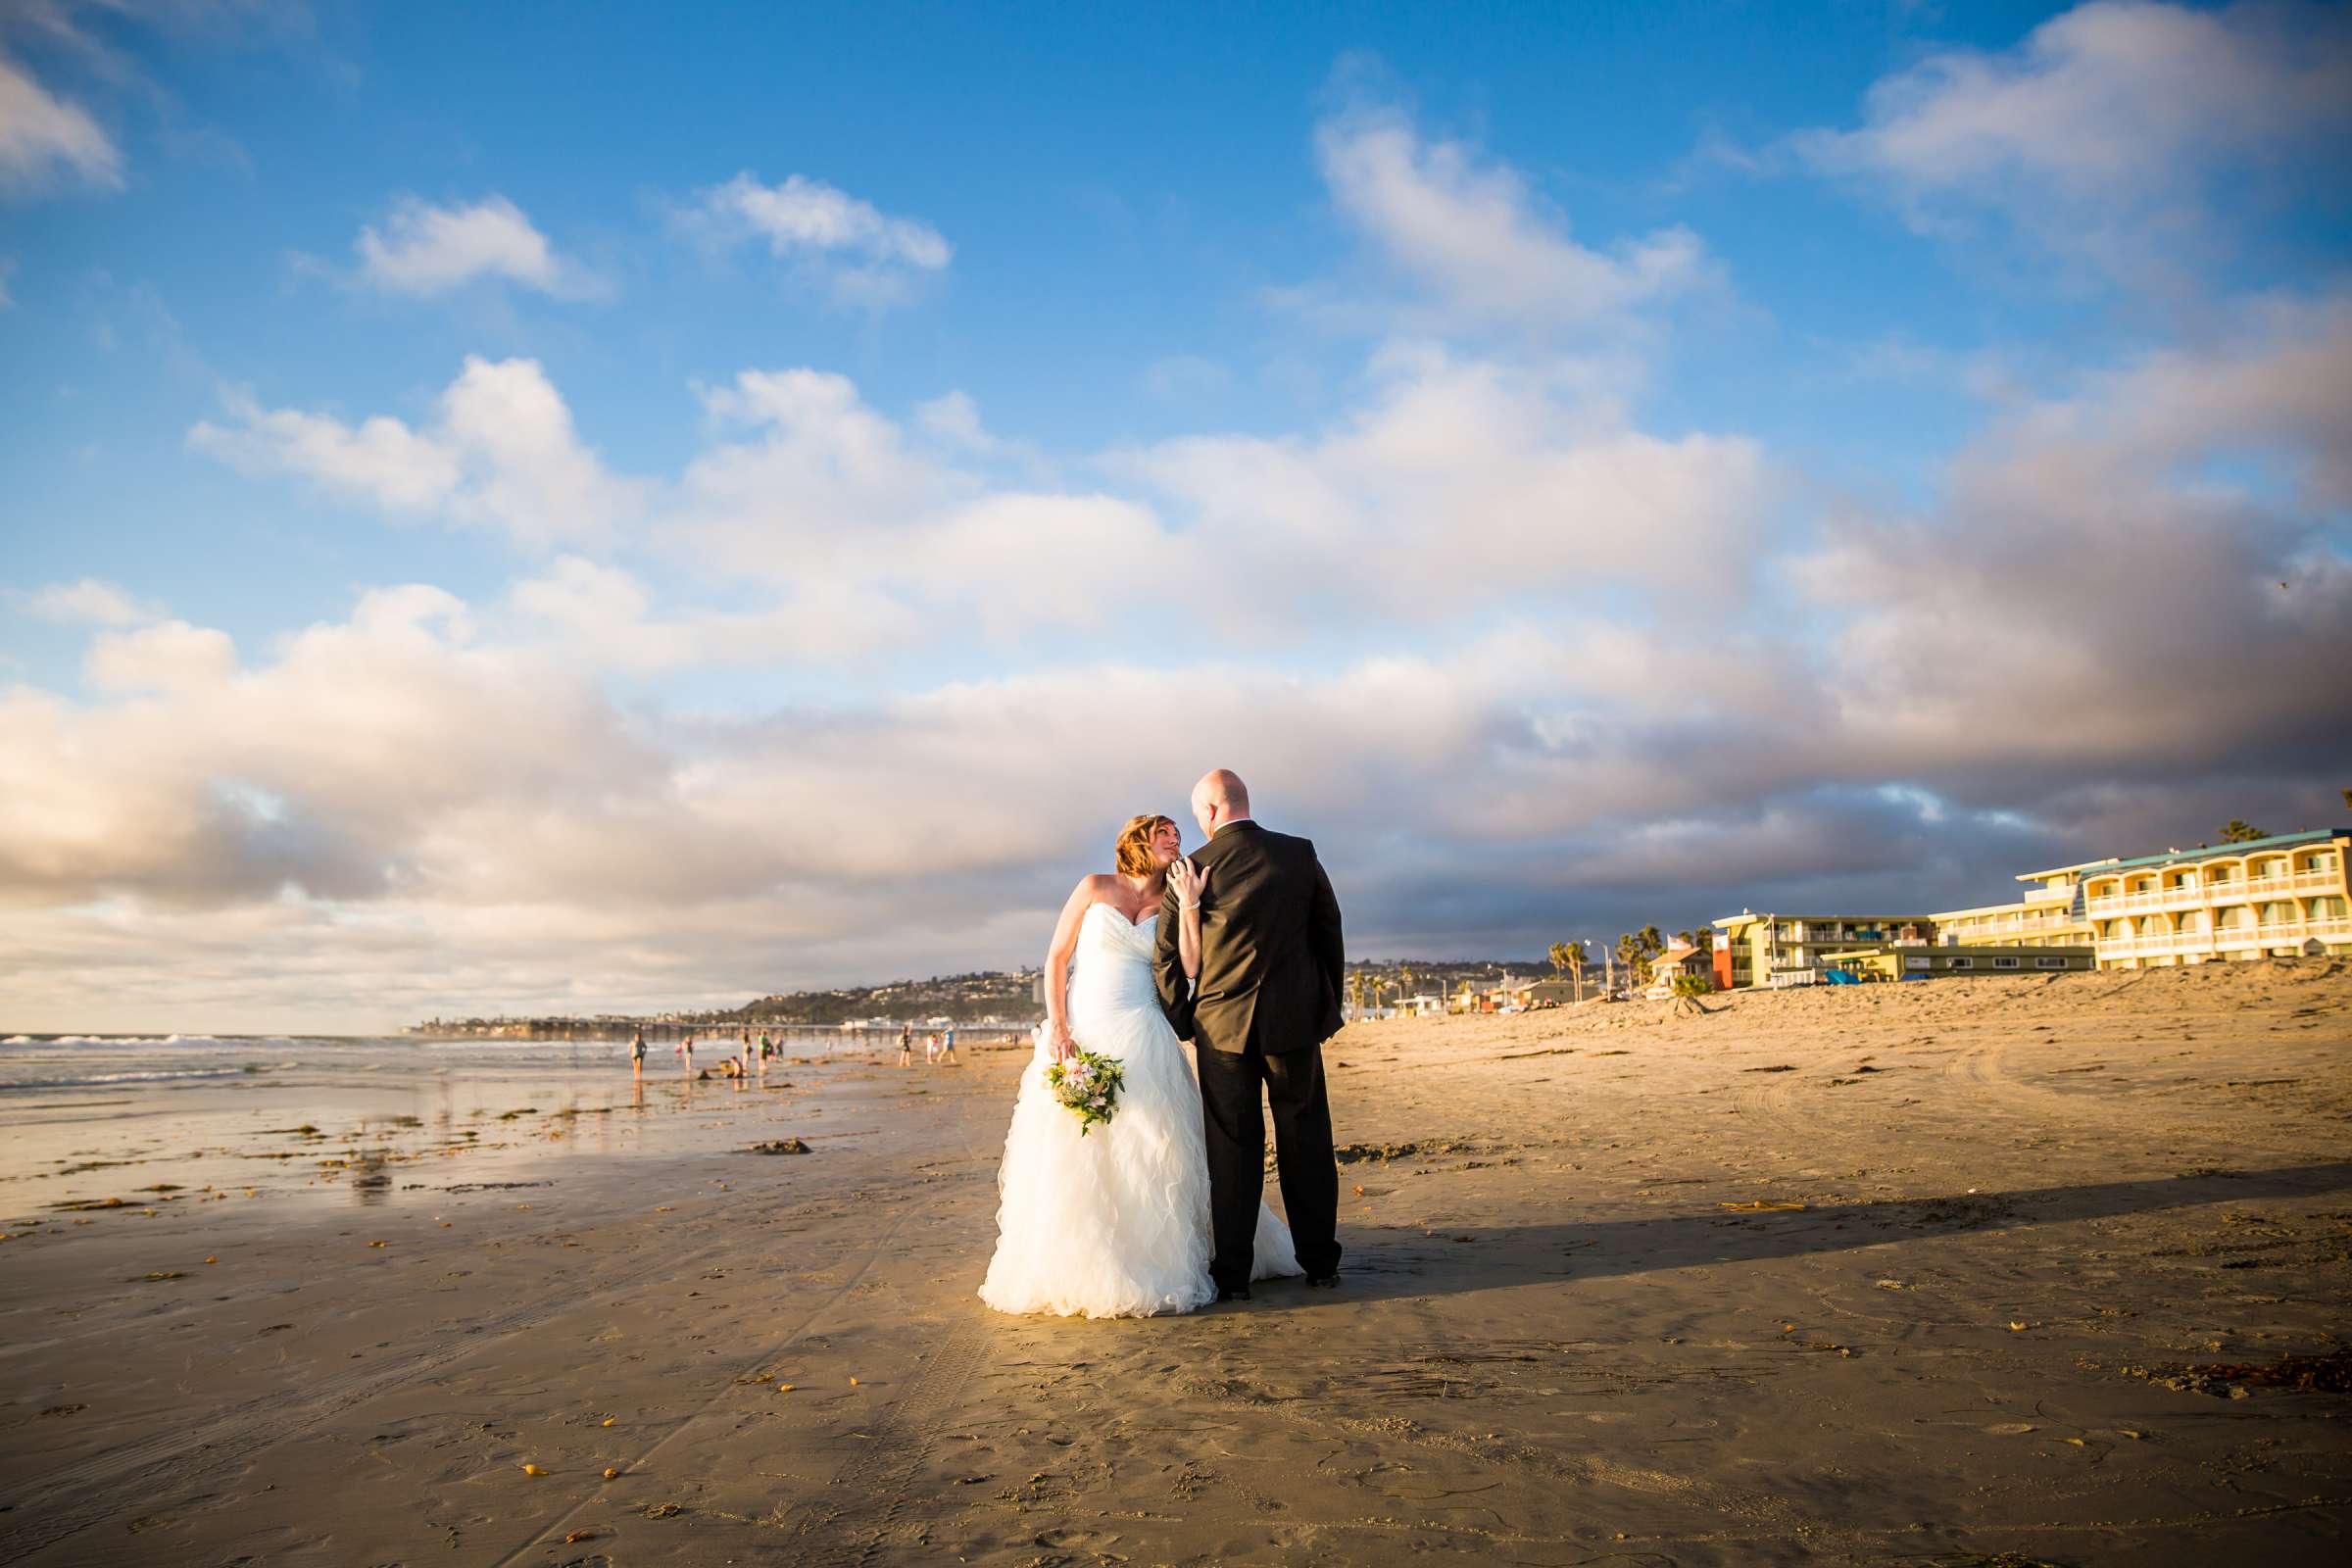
x,y
1356,990
2237,832
1404,981
1559,956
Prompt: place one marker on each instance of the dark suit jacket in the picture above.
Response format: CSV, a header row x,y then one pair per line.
x,y
1271,958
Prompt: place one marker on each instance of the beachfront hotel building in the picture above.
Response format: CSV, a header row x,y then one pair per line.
x,y
1790,949
2051,915
2276,897
2271,898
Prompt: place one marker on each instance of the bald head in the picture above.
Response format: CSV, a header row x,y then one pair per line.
x,y
1218,799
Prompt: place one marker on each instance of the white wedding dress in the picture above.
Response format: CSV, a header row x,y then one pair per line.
x,y
1114,1223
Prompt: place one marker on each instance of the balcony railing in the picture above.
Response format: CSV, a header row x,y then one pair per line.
x,y
2232,938
1966,930
2212,892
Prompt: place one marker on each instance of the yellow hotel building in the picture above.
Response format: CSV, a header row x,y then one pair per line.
x,y
2274,897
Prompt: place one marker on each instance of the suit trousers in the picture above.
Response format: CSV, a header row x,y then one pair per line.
x,y
1292,1084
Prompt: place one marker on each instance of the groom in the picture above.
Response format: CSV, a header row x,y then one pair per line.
x,y
1267,999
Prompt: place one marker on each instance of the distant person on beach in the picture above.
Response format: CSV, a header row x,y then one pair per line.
x,y
905,1044
637,1053
947,1048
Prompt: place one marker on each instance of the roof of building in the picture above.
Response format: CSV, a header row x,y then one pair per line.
x,y
2203,851
2054,904
1733,921
2065,870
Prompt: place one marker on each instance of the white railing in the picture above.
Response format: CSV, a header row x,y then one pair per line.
x,y
2209,893
2008,928
2232,938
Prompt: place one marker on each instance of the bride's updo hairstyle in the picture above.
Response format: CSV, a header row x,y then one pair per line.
x,y
1134,844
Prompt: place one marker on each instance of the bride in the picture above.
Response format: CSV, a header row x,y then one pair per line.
x,y
1116,1223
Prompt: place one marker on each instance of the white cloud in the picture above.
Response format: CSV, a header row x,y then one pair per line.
x,y
1516,485
857,253
428,250
380,460
1470,230
804,215
2102,130
603,617
47,140
954,419
91,601
502,452
170,657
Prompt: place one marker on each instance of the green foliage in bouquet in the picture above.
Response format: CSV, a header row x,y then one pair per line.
x,y
1089,1086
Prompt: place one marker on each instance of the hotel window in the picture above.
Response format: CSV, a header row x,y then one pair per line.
x,y
1964,964
2327,907
2005,964
2049,963
2278,912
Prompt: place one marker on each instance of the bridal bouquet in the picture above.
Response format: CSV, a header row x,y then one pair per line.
x,y
1088,1084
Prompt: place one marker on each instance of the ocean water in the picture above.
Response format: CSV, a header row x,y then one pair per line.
x,y
95,1061
82,1115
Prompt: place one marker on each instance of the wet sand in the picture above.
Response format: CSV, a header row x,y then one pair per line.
x,y
1918,1274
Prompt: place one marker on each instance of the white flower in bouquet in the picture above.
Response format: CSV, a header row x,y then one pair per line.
x,y
1089,1086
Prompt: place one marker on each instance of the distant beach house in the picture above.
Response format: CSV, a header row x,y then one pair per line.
x,y
1790,949
1556,993
1680,962
1511,996
1948,962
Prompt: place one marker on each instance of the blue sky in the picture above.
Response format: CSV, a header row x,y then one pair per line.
x,y
516,509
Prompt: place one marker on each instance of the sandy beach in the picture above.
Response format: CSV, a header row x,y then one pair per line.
x,y
1921,1274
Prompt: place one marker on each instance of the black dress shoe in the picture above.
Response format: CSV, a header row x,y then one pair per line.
x,y
1233,1293
1323,1281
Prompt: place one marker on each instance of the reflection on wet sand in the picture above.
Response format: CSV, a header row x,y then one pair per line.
x,y
378,1117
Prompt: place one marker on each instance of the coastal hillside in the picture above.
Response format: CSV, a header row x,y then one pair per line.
x,y
1008,997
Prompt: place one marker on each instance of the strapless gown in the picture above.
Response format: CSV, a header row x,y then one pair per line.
x,y
1114,1223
